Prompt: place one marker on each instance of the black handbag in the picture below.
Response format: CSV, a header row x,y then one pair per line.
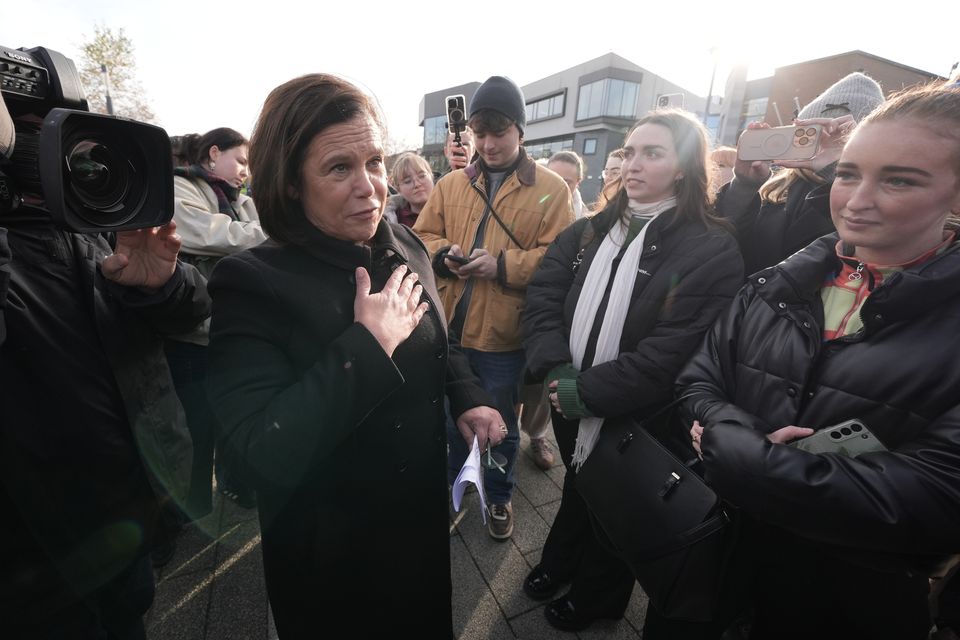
x,y
657,515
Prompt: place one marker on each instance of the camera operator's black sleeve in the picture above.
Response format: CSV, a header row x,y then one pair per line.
x,y
5,257
176,308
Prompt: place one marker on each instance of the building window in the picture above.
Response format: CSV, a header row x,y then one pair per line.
x,y
435,130
589,146
551,107
547,149
608,97
753,111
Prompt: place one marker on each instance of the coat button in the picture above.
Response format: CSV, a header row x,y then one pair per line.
x,y
401,466
439,354
782,305
398,425
653,247
435,400
762,280
806,325
792,392
878,317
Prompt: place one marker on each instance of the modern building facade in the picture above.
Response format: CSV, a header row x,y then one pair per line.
x,y
778,98
589,108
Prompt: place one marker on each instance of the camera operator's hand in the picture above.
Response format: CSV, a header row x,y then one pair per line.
x,y
144,257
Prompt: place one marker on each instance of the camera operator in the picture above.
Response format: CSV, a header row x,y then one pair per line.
x,y
93,439
91,423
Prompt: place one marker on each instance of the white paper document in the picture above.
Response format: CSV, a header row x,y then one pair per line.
x,y
471,472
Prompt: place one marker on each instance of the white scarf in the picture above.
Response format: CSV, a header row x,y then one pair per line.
x,y
594,286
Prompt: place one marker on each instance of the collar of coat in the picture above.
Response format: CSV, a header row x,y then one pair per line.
x,y
526,169
915,291
384,246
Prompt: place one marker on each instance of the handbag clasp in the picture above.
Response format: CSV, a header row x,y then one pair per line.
x,y
669,485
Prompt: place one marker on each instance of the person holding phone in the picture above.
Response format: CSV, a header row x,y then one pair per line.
x,y
460,155
619,303
778,214
861,324
488,227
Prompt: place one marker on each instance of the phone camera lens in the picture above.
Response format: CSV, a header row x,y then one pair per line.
x,y
856,428
798,132
811,132
804,141
846,431
835,435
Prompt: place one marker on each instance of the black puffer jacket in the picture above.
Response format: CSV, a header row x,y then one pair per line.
x,y
770,232
764,365
687,274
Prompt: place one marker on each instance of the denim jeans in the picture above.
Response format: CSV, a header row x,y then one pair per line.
x,y
500,374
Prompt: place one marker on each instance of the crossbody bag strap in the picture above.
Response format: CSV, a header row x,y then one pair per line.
x,y
493,212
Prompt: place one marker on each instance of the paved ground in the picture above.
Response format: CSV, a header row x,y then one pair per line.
x,y
213,588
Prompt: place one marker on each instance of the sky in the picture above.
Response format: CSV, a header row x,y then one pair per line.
x,y
210,64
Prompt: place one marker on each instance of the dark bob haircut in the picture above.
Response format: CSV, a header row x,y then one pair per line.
x,y
292,116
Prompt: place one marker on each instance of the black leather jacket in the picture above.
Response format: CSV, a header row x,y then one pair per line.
x,y
764,365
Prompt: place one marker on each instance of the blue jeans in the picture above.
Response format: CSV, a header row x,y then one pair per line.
x,y
500,374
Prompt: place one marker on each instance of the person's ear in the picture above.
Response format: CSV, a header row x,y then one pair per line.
x,y
214,153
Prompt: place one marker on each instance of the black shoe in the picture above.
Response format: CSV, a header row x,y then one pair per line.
x,y
561,614
244,498
539,585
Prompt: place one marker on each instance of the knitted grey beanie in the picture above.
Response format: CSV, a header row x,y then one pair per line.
x,y
856,94
503,95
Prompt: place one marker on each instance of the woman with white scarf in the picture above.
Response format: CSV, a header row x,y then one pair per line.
x,y
619,303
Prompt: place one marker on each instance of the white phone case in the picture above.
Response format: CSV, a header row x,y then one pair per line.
x,y
779,143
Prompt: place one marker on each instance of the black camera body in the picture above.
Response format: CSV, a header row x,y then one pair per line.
x,y
89,172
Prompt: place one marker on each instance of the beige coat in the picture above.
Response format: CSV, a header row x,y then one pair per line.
x,y
204,230
208,235
535,204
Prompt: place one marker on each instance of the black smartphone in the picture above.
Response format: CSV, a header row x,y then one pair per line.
x,y
458,259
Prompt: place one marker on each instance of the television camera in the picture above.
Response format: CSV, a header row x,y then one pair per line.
x,y
88,172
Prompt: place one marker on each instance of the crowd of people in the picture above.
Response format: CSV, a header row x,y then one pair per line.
x,y
327,340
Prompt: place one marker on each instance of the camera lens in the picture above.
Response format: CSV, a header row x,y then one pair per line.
x,y
456,115
105,176
97,176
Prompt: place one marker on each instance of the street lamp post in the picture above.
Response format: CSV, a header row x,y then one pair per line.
x,y
106,82
713,75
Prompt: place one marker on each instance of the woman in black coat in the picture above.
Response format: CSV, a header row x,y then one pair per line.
x,y
860,325
333,396
617,306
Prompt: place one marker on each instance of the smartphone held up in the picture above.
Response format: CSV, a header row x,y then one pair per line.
x,y
779,143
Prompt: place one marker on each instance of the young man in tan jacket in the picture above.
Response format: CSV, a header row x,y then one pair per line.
x,y
488,226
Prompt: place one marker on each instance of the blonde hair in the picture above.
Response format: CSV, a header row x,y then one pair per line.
x,y
570,157
775,189
408,162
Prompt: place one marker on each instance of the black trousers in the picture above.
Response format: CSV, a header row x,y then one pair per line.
x,y
601,583
188,367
